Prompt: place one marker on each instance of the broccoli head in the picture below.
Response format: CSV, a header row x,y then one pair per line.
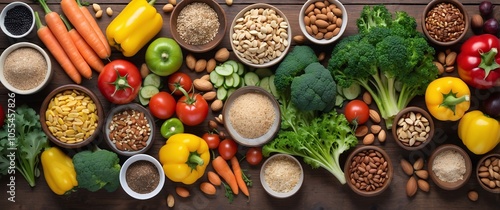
x,y
376,16
293,65
314,90
97,169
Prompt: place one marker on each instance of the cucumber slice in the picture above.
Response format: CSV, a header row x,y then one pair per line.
x,y
224,69
241,68
251,79
148,91
216,79
339,90
152,79
264,72
272,87
230,91
229,81
264,83
339,101
237,80
234,64
142,100
352,91
221,93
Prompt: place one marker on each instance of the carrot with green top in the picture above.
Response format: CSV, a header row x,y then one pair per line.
x,y
50,41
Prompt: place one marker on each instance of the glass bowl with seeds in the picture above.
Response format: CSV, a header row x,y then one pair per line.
x,y
445,22
25,68
129,129
413,128
71,116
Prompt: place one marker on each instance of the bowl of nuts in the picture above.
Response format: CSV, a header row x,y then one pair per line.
x,y
445,22
488,172
368,171
260,35
71,116
129,129
198,25
450,167
323,22
413,128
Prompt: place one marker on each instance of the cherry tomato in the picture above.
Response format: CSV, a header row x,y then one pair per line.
x,y
212,140
227,149
192,109
356,111
162,105
179,80
119,82
254,155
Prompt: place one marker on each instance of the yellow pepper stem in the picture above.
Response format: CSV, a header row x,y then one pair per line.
x,y
194,160
450,100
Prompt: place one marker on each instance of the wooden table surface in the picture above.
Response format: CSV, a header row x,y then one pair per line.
x,y
320,190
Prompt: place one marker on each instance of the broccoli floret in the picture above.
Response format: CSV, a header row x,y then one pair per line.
x,y
404,25
314,90
293,65
371,17
97,169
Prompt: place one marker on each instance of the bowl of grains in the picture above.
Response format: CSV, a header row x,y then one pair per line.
x,y
281,175
142,176
260,35
71,116
450,167
17,19
129,129
445,22
198,25
413,128
368,171
251,116
488,172
323,22
25,68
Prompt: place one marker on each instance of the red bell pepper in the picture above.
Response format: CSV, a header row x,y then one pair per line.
x,y
478,61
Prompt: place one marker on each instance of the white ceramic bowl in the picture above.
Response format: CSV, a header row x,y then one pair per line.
x,y
123,180
266,186
4,12
16,46
323,41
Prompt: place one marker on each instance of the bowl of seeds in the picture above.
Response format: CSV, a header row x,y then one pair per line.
x,y
445,22
198,25
413,128
17,19
281,175
25,68
142,176
449,167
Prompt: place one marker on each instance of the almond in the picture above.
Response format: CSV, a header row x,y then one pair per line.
x,y
182,191
222,55
190,61
216,105
209,96
382,136
202,85
211,65
368,139
299,39
168,8
173,2
144,70
407,167
422,174
321,23
411,187
450,58
214,178
361,131
419,164
367,98
449,69
208,188
441,57
374,116
375,129
473,195
439,66
476,21
321,56
423,185
205,77
200,65
170,200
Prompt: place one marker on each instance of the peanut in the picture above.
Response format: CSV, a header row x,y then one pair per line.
x,y
109,11
98,14
168,8
96,7
173,2
170,200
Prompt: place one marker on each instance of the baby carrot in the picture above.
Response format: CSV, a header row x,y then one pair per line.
x,y
95,26
222,168
50,41
238,174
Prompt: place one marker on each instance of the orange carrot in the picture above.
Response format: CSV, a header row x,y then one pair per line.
x,y
50,41
95,26
238,174
72,11
85,50
222,168
59,30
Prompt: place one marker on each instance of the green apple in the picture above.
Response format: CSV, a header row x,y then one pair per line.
x,y
164,56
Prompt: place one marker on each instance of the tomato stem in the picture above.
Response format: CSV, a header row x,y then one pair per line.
x,y
120,83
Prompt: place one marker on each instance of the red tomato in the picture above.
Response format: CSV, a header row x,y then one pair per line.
x,y
192,110
254,155
356,111
227,149
2,116
162,105
212,140
179,80
119,81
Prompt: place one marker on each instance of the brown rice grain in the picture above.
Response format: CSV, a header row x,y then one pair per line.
x,y
252,115
25,68
197,23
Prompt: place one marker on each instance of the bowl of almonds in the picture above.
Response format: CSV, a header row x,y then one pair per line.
x,y
488,172
445,22
413,128
129,129
323,22
260,35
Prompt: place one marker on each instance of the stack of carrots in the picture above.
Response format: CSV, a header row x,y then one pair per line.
x,y
76,49
232,175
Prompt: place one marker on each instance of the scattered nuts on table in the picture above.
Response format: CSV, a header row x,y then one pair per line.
x,y
413,129
374,116
367,98
446,61
96,7
168,8
361,131
109,11
368,170
445,22
473,195
170,200
129,130
418,176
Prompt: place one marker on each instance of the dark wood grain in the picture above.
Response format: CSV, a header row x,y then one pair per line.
x,y
320,190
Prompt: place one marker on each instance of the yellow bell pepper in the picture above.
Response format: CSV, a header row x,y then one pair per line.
x,y
135,26
479,132
184,157
58,170
447,98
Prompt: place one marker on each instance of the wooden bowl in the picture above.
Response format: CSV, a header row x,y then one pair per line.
x,y
221,15
464,17
450,185
398,124
44,117
479,164
386,167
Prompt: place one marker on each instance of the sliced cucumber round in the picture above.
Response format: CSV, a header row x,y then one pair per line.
x,y
148,91
152,79
251,79
224,69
